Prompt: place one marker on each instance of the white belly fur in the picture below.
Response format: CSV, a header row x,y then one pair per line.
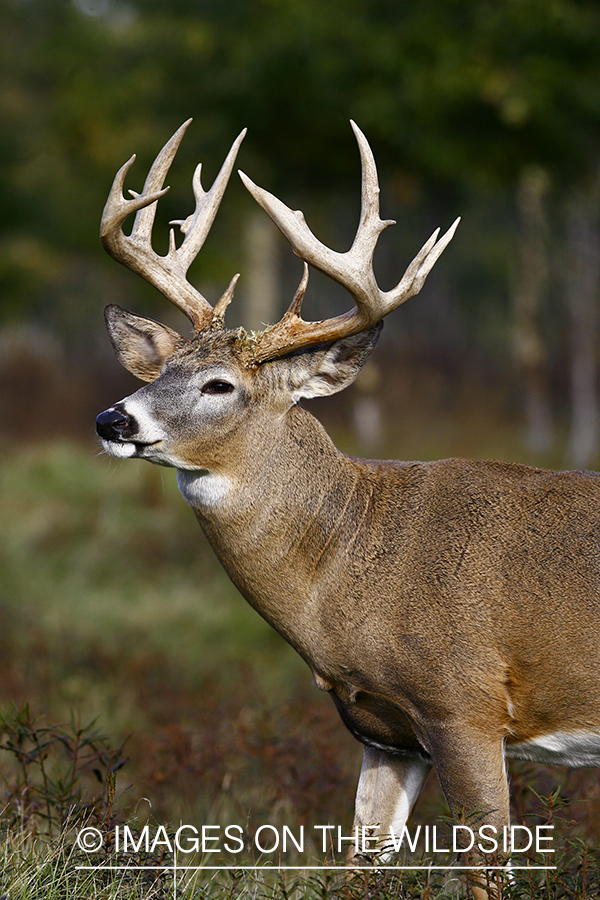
x,y
562,748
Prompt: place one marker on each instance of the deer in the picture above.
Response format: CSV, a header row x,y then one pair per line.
x,y
449,608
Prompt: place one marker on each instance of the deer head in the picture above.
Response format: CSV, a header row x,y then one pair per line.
x,y
230,383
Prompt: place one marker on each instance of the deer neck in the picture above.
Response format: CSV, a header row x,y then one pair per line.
x,y
280,525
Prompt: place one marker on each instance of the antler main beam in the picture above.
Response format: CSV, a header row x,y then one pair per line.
x,y
353,269
167,273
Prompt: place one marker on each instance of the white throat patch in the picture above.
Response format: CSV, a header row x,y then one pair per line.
x,y
202,488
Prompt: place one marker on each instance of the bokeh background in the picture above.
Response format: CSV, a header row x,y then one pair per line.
x,y
111,604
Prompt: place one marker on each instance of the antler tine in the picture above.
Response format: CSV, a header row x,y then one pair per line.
x,y
218,315
370,225
352,269
196,227
144,220
167,273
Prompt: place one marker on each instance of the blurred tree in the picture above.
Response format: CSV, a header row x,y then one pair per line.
x,y
581,278
530,289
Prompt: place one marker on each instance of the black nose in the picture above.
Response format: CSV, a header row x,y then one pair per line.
x,y
113,424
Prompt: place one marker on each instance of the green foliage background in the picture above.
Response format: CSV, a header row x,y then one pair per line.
x,y
457,98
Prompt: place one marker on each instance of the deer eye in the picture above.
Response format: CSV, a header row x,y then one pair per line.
x,y
217,387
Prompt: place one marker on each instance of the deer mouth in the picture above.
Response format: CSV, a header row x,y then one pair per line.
x,y
125,449
120,449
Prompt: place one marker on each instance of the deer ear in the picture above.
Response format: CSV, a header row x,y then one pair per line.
x,y
141,345
319,372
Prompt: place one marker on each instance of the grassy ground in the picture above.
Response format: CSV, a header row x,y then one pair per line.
x,y
113,609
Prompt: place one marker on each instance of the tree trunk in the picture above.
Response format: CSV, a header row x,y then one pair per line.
x,y
260,277
582,270
529,293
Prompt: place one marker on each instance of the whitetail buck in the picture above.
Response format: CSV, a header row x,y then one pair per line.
x,y
449,608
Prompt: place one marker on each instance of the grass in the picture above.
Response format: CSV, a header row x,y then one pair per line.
x,y
56,871
104,556
116,621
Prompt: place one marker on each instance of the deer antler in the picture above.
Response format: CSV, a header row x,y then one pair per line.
x,y
353,269
167,273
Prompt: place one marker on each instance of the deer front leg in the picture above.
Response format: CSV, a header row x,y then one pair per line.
x,y
471,770
388,788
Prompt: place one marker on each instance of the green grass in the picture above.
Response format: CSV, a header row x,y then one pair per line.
x,y
96,553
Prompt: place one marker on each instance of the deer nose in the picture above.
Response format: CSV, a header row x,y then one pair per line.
x,y
113,423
